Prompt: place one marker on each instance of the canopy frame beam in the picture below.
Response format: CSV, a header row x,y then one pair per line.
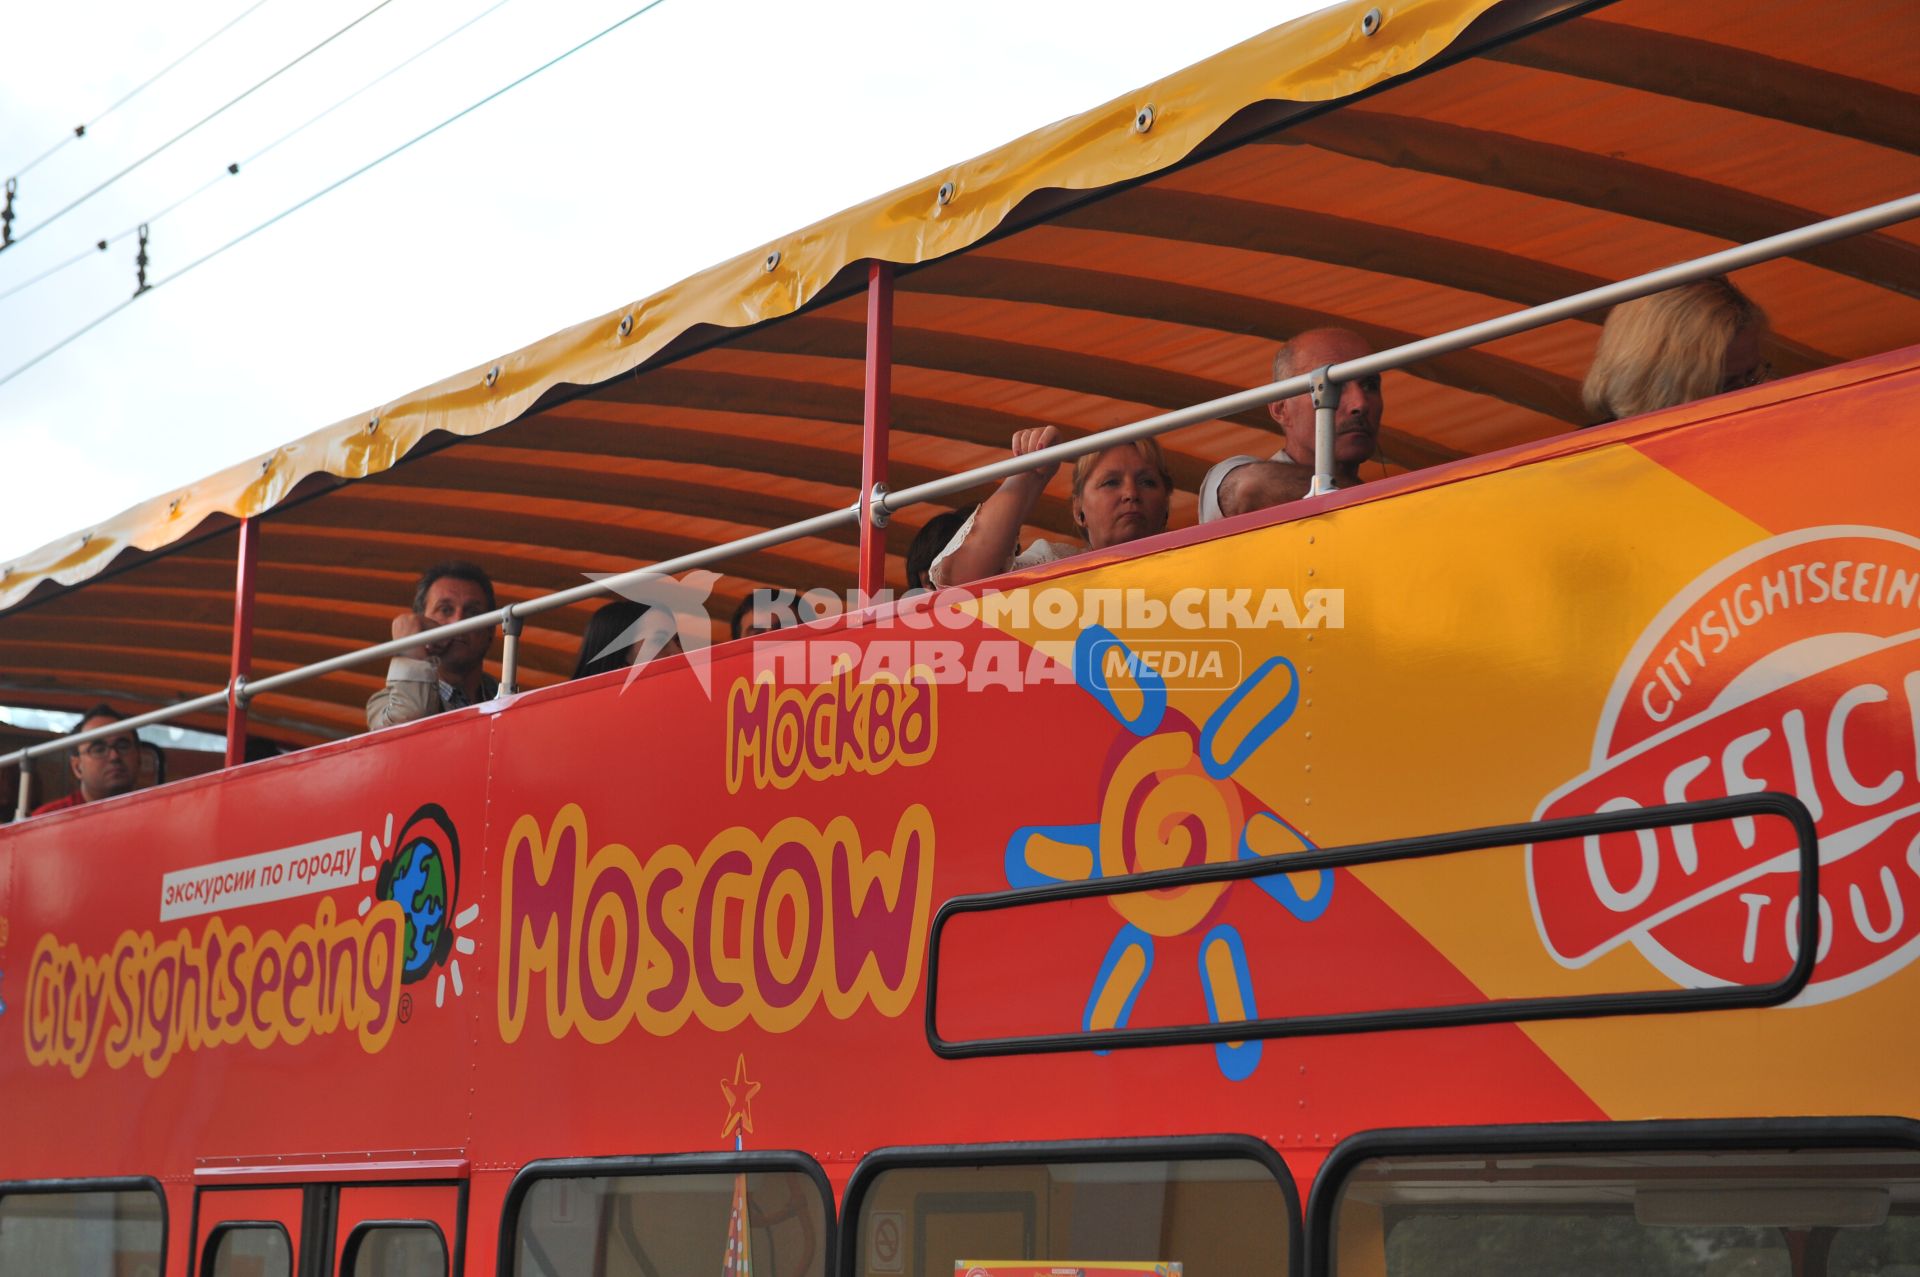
x,y
876,423
246,567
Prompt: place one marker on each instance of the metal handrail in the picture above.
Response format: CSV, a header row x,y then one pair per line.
x,y
883,503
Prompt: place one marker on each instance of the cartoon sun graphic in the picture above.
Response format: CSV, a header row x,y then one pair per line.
x,y
420,871
1168,799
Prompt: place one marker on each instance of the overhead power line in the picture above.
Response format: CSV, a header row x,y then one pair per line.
x,y
397,67
331,187
193,128
247,163
51,271
80,130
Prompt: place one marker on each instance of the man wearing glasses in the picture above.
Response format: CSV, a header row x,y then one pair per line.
x,y
101,768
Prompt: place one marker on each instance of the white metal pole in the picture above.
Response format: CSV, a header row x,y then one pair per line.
x,y
1326,397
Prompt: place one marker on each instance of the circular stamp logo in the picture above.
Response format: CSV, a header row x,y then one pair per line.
x,y
1792,666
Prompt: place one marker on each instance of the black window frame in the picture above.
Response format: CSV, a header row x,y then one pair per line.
x,y
102,1184
350,1249
225,1226
1570,1006
1687,1135
1175,1148
747,1162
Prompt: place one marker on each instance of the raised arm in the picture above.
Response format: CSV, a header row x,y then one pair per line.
x,y
412,691
988,542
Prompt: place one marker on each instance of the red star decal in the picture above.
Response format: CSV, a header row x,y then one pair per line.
x,y
739,1093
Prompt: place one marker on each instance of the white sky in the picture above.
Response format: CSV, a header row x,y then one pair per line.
x,y
696,132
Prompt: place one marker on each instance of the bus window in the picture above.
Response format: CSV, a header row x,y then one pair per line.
x,y
768,1223
1697,1213
105,1233
395,1229
395,1250
1213,1217
250,1250
1890,1251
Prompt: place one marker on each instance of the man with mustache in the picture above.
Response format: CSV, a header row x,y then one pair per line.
x,y
1356,421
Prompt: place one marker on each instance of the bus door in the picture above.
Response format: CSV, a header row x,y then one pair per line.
x,y
398,1230
326,1220
249,1232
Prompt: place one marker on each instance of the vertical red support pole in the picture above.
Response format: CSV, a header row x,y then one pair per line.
x,y
878,420
242,640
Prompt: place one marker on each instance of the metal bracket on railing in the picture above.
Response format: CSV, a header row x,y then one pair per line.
x,y
237,693
1326,397
25,801
510,627
875,506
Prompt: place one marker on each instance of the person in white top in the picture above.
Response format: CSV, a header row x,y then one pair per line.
x,y
1119,494
1261,485
1356,422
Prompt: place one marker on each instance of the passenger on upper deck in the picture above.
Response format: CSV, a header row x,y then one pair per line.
x,y
600,646
1356,422
1683,344
443,675
101,768
747,622
929,541
1258,485
622,632
1119,494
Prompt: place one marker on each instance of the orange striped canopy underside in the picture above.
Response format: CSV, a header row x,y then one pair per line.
x,y
1469,159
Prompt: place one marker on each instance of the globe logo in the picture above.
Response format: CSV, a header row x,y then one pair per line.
x,y
420,887
422,876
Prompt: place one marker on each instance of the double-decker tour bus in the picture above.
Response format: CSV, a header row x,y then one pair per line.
x,y
1504,859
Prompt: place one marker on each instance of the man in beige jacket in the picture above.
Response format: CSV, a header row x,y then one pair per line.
x,y
444,675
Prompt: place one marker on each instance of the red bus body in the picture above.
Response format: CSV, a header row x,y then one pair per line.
x,y
692,912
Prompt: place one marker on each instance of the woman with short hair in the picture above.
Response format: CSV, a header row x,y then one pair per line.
x,y
1676,346
1120,494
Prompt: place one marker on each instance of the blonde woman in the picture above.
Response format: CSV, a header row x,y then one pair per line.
x,y
1119,494
1674,347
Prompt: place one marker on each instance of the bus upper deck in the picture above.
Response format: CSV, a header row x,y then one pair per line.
x,y
828,951
1458,162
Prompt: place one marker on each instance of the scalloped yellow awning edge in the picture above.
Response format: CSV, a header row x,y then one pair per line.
x,y
1321,57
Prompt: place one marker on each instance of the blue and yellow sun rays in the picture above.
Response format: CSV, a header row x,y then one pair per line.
x,y
1037,855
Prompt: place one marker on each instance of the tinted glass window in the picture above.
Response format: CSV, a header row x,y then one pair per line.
x,y
1217,1217
396,1250
1892,1250
1571,1245
251,1250
1670,1214
108,1234
768,1224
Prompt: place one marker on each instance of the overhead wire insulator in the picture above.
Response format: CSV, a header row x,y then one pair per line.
x,y
6,214
140,263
